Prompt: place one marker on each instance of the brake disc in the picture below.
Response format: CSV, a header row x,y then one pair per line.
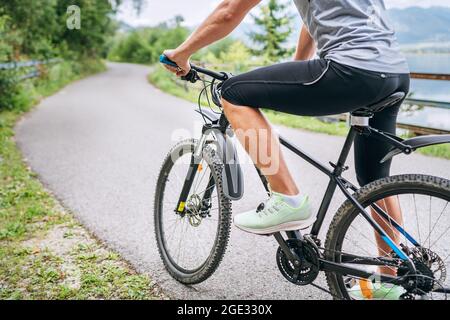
x,y
434,263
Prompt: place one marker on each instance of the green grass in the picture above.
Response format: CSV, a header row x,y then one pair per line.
x,y
29,215
163,80
439,151
307,123
167,82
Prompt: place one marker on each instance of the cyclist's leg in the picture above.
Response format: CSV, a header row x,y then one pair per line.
x,y
274,87
260,141
310,88
368,154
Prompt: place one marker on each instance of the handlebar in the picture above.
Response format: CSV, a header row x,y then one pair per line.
x,y
192,76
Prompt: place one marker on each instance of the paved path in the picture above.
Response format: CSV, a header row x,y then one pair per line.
x,y
98,145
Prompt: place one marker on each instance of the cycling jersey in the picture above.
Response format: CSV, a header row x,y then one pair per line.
x,y
353,32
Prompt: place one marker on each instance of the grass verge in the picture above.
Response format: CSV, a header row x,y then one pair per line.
x,y
163,80
44,252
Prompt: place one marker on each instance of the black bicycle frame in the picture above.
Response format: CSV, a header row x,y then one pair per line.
x,y
337,181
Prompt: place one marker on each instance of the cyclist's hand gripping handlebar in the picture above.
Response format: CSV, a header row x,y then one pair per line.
x,y
192,76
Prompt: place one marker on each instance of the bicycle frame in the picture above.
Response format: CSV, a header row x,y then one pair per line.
x,y
359,126
337,181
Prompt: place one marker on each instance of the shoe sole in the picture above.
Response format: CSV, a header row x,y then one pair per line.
x,y
288,226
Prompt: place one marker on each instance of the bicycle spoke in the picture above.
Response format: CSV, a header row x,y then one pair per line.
x,y
446,258
202,192
417,217
429,226
390,219
437,221
371,241
201,179
197,175
440,237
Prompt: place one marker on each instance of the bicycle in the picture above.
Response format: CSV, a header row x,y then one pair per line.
x,y
349,256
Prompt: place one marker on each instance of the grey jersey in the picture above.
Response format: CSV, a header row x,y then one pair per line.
x,y
354,33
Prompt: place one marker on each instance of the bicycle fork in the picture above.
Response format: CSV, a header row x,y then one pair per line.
x,y
194,168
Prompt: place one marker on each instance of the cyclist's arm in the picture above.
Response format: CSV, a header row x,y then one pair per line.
x,y
224,19
306,47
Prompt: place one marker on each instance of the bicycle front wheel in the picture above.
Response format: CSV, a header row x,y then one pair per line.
x,y
421,228
192,242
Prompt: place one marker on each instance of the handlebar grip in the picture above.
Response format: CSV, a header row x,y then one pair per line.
x,y
164,60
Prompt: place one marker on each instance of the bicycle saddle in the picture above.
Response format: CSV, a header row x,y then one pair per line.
x,y
380,106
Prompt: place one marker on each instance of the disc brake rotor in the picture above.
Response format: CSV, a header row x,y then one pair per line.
x,y
197,210
434,263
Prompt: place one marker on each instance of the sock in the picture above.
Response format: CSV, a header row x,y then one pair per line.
x,y
293,201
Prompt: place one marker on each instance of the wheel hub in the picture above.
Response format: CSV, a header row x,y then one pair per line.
x,y
434,263
197,209
420,283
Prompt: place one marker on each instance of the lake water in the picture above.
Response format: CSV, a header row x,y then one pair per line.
x,y
429,90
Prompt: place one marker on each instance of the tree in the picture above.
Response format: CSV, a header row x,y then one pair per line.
x,y
238,54
275,26
38,29
145,45
178,19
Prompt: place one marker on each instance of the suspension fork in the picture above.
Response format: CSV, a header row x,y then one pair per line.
x,y
193,169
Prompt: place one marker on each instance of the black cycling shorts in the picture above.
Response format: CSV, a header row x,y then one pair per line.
x,y
323,87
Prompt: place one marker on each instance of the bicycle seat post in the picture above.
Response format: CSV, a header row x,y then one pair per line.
x,y
360,120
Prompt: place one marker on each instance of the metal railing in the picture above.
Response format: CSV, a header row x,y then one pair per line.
x,y
430,76
410,101
34,64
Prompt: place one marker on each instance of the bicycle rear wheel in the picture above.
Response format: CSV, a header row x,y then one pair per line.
x,y
192,243
423,201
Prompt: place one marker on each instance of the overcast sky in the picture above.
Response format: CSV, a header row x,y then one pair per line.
x,y
195,11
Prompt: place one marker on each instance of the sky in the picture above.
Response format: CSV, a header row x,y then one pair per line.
x,y
194,11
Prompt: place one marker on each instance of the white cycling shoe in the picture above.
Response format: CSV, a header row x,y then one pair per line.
x,y
276,215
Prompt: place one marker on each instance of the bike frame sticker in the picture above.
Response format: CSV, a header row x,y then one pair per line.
x,y
181,206
407,235
400,253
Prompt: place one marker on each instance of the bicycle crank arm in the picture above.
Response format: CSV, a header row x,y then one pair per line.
x,y
296,260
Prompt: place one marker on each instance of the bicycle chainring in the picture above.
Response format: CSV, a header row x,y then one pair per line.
x,y
308,270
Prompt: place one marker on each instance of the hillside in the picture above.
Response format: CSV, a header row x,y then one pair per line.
x,y
421,27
